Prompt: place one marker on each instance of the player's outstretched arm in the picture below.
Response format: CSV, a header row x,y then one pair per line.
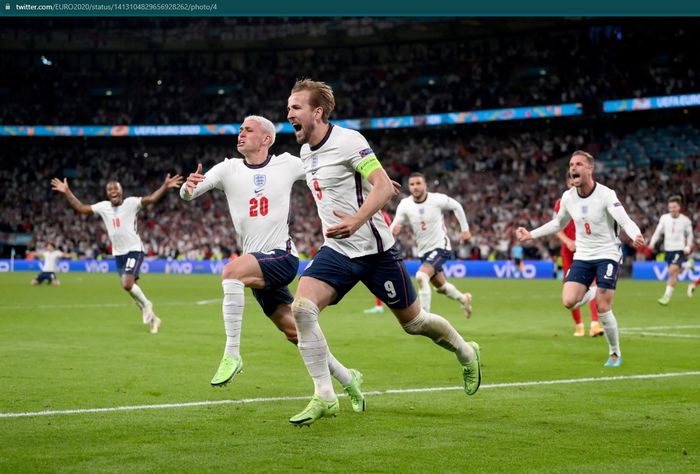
x,y
158,194
198,183
464,236
382,191
657,234
62,187
187,190
523,234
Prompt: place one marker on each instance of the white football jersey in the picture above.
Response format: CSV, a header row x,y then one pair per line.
x,y
258,199
332,177
51,260
121,224
596,218
678,233
427,222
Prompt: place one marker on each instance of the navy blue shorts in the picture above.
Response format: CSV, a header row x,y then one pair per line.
x,y
436,258
279,268
605,271
675,258
384,274
45,276
129,264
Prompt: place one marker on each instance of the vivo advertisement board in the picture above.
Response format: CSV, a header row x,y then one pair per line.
x,y
659,271
452,269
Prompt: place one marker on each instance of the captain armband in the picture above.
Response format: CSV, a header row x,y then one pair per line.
x,y
368,165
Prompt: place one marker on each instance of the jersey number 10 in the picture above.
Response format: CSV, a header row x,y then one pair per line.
x,y
260,207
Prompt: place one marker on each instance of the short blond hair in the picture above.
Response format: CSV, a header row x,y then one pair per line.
x,y
320,95
265,124
588,156
677,198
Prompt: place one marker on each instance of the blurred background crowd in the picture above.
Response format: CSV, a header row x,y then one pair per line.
x,y
113,71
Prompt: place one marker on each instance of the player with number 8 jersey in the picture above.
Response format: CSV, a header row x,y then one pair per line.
x,y
598,216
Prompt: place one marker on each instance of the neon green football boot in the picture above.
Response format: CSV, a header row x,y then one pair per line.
x,y
354,392
317,408
471,371
228,368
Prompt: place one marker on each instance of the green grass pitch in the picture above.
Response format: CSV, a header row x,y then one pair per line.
x,y
82,346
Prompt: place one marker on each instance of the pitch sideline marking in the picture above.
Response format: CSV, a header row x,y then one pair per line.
x,y
661,334
214,301
378,392
661,327
99,305
650,331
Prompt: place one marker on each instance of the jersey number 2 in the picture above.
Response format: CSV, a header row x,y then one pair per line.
x,y
260,207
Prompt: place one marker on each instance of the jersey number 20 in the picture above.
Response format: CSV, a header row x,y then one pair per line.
x,y
261,206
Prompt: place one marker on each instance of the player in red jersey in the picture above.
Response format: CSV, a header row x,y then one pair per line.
x,y
568,247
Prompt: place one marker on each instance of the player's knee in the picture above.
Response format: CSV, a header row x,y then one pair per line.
x,y
127,285
423,279
416,326
569,301
229,274
292,337
304,309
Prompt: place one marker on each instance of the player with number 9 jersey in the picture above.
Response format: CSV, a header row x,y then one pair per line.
x,y
334,174
350,188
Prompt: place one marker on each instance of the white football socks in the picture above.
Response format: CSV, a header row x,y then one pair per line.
x,y
590,294
338,370
232,308
451,292
137,294
609,323
442,333
424,292
669,292
313,347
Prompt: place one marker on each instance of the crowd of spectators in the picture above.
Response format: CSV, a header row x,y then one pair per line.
x,y
503,179
210,75
114,71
